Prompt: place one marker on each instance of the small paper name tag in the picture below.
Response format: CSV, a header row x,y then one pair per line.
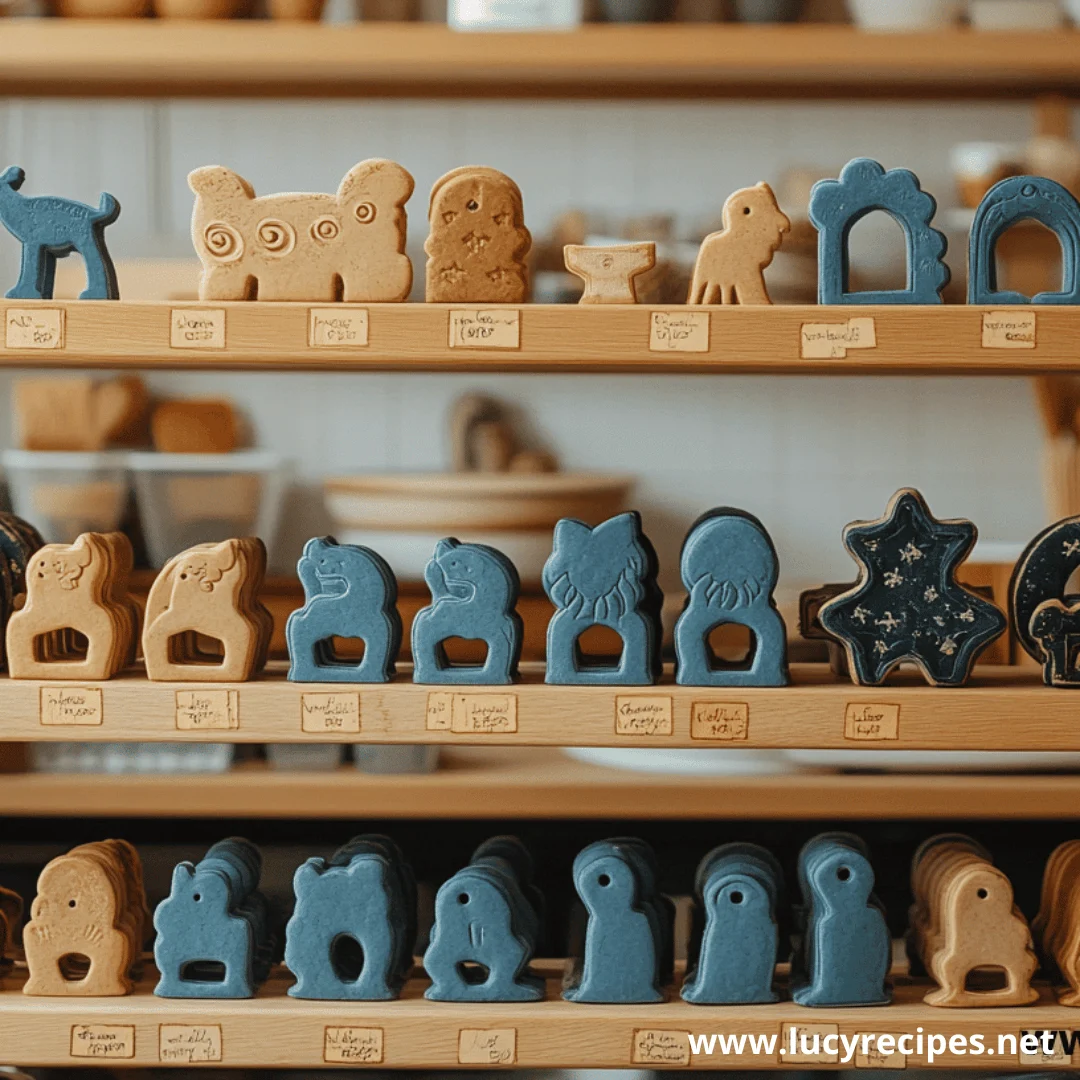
x,y
337,328
1008,330
189,1044
440,708
70,706
207,710
1057,1055
353,1045
487,329
197,328
484,714
641,714
723,721
653,1046
34,328
795,1051
871,1055
111,1042
831,341
871,723
332,714
682,331
487,1046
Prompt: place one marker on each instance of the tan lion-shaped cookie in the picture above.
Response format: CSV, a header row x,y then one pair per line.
x,y
730,262
71,587
478,241
208,589
349,246
76,913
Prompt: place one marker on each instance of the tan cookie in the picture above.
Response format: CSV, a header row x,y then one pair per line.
x,y
349,246
609,273
477,242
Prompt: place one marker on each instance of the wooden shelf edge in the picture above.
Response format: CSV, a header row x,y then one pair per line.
x,y
277,1031
925,340
244,58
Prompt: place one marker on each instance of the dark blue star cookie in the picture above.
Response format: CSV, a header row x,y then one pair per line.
x,y
907,603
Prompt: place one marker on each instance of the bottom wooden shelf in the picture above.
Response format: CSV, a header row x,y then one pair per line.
x,y
276,1031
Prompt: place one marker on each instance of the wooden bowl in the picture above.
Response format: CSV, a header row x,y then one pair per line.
x,y
198,9
296,10
101,9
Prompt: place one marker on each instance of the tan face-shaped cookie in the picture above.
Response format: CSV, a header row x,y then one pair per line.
x,y
477,242
348,246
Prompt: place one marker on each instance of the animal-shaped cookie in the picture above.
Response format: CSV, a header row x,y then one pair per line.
x,y
477,242
49,228
349,246
863,187
474,590
729,568
603,576
730,262
349,592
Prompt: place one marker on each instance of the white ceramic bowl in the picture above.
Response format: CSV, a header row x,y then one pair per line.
x,y
693,762
904,15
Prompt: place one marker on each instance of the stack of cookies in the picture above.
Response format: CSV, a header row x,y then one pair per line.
x,y
18,542
1057,926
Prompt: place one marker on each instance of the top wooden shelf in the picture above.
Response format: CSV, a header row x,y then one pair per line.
x,y
887,340
246,58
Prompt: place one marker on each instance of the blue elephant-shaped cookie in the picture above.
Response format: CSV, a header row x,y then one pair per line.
x,y
350,592
1016,199
603,576
334,902
729,567
863,187
197,924
477,930
474,591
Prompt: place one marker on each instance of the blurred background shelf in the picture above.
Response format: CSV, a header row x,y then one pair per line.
x,y
537,783
247,58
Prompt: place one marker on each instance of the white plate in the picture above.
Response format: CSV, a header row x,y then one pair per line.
x,y
686,762
936,760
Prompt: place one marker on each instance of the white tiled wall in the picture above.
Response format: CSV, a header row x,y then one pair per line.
x,y
807,455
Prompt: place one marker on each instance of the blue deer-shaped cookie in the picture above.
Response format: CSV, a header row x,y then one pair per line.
x,y
350,592
729,568
50,228
474,591
603,576
214,933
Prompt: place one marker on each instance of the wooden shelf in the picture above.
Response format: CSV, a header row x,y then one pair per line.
x,y
1001,709
276,1031
553,337
244,58
537,783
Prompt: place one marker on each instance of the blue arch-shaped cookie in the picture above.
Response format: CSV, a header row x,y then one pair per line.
x,y
863,187
1023,198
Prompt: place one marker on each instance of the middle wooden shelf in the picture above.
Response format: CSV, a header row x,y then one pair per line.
x,y
1001,708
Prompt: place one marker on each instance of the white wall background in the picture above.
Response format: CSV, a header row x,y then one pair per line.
x,y
806,455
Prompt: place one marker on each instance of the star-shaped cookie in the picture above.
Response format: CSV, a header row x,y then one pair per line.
x,y
907,603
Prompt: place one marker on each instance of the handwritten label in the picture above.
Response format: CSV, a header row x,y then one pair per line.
x,y
679,331
197,328
484,714
189,1044
70,706
487,1046
440,705
792,1036
34,328
831,341
1057,1055
871,723
486,329
653,1046
330,714
207,710
353,1045
724,721
110,1042
337,328
1008,330
870,1056
640,714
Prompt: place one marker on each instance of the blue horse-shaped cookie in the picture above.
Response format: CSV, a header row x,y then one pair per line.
x,y
474,591
729,568
350,592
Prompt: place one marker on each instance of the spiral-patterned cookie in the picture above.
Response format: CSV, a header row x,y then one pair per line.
x,y
325,229
276,237
223,241
365,213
